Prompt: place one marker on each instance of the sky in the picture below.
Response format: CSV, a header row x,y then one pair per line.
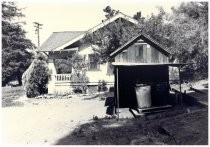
x,y
80,15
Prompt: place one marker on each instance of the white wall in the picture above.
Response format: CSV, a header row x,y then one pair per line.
x,y
101,74
95,76
51,82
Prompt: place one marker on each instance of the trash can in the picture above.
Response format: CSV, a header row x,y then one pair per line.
x,y
143,95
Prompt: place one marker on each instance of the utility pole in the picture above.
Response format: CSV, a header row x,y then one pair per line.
x,y
38,27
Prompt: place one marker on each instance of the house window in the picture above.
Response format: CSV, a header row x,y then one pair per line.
x,y
139,51
93,64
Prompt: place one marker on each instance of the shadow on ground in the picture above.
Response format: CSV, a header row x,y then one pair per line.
x,y
181,125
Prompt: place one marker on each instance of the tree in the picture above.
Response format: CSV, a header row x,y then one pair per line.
x,y
156,27
109,12
79,78
35,78
190,35
63,66
110,37
15,57
184,32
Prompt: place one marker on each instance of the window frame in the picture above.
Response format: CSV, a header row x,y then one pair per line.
x,y
91,62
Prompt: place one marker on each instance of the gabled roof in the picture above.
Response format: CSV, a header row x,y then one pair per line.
x,y
144,37
57,39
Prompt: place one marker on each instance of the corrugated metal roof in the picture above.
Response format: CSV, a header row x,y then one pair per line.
x,y
57,39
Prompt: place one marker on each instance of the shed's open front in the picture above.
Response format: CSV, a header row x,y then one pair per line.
x,y
152,77
142,85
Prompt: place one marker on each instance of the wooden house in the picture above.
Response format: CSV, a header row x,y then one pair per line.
x,y
140,49
64,44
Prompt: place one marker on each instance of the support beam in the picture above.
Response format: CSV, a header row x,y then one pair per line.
x,y
118,111
51,83
180,85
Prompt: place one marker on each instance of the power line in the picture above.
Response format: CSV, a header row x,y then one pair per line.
x,y
38,27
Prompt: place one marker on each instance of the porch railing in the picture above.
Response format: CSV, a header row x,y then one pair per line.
x,y
62,77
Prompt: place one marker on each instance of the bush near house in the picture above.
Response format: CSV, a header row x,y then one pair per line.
x,y
102,86
79,78
35,78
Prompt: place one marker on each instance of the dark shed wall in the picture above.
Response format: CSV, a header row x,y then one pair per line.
x,y
149,54
155,76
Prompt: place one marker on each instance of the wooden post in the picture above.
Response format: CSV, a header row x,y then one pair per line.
x,y
51,83
117,94
180,86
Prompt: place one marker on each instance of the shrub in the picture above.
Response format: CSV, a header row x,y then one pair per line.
x,y
79,78
35,78
102,85
62,66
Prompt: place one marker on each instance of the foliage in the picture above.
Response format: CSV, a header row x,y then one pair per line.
x,y
102,85
15,57
110,12
157,28
63,66
139,17
190,35
184,32
35,78
78,63
79,78
110,37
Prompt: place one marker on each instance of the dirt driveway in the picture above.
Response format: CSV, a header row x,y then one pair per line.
x,y
70,121
44,121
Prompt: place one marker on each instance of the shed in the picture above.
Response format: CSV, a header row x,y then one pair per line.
x,y
156,75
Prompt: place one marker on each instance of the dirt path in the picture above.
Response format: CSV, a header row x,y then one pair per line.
x,y
46,121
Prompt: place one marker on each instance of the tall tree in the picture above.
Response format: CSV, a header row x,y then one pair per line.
x,y
15,57
190,35
184,32
110,37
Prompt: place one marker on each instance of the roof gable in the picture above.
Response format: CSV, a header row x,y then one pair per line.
x,y
59,40
144,37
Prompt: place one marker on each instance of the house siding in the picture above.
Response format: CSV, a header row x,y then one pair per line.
x,y
149,54
96,75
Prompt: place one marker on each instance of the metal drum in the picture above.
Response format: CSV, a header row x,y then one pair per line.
x,y
143,95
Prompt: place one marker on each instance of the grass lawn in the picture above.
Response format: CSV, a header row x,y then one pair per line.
x,y
10,94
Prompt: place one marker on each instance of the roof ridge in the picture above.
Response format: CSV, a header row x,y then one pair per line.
x,y
108,19
68,31
127,15
153,40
